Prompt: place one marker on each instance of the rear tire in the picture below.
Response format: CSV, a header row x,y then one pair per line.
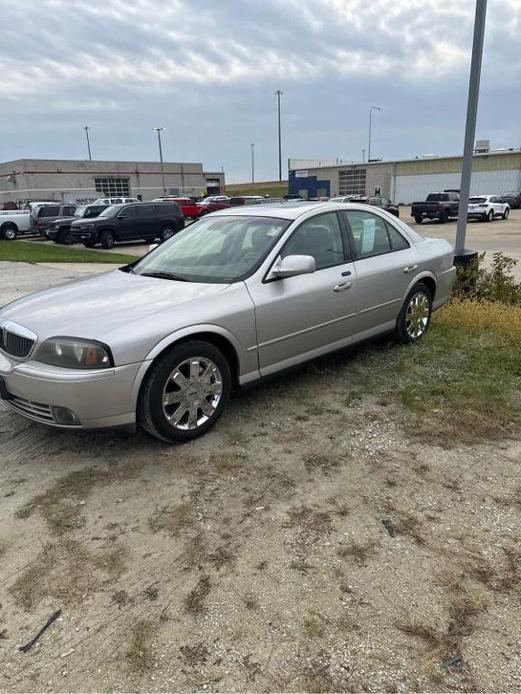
x,y
418,219
9,232
415,316
166,233
185,392
444,217
490,216
107,239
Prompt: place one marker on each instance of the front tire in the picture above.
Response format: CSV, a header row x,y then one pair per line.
x,y
506,213
185,392
415,316
107,239
64,237
418,219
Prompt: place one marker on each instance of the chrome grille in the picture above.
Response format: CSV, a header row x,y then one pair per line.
x,y
34,410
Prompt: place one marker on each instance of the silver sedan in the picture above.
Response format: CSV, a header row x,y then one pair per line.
x,y
235,297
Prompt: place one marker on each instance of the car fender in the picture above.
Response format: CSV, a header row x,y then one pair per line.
x,y
418,278
169,340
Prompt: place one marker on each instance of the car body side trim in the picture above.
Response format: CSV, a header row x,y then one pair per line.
x,y
306,330
385,303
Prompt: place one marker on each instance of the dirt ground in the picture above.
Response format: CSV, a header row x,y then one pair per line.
x,y
310,542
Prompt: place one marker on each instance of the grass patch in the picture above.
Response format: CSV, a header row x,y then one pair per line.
x,y
65,572
361,552
171,519
61,506
274,189
195,600
38,252
139,654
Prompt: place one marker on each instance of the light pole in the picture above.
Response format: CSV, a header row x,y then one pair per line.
x,y
470,132
252,146
158,131
363,155
279,94
373,108
86,128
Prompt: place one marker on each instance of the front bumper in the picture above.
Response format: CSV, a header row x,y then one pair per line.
x,y
99,398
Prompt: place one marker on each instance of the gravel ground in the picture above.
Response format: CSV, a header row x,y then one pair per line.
x,y
306,544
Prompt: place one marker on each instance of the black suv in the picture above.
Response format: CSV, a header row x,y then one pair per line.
x,y
129,222
59,230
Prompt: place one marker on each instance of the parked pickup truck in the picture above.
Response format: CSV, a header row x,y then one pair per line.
x,y
440,206
14,222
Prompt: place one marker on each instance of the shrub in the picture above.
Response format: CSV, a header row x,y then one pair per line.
x,y
493,284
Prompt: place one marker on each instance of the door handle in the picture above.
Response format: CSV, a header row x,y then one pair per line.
x,y
342,286
410,268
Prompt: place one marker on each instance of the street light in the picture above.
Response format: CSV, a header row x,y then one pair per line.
x,y
463,256
86,128
373,108
158,131
278,94
252,146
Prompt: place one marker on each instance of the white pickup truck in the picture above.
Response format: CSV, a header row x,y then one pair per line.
x,y
14,222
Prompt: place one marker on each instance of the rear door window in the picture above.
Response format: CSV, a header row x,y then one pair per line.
x,y
145,210
49,211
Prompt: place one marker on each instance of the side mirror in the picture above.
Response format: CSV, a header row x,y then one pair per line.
x,y
152,247
293,265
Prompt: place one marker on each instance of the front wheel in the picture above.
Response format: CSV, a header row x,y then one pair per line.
x,y
415,316
185,392
65,238
107,239
506,213
9,233
418,219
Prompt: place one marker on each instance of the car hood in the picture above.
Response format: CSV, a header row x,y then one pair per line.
x,y
92,307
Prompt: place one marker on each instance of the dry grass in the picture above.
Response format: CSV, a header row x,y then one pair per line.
x,y
195,601
227,461
321,462
311,524
361,552
483,316
61,505
314,626
171,520
139,653
251,602
66,572
195,654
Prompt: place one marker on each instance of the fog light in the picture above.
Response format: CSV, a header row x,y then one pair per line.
x,y
62,415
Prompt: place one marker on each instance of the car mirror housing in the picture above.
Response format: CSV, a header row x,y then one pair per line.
x,y
293,265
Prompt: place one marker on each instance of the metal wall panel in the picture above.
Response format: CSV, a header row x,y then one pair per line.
x,y
413,188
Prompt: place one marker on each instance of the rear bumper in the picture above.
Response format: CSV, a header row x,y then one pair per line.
x,y
99,399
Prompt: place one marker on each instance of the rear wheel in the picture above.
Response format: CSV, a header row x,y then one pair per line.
x,y
107,239
185,392
415,316
418,219
166,233
444,217
9,232
490,216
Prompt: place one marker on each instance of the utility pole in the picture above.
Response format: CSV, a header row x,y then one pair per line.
x,y
373,108
363,155
252,146
158,131
86,128
279,94
470,130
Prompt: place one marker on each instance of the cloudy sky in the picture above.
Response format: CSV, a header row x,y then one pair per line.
x,y
207,70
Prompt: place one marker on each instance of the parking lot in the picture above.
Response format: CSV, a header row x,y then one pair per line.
x,y
320,538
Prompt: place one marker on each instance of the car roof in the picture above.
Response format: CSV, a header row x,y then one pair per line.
x,y
288,210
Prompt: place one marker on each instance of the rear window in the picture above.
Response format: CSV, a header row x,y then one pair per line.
x,y
477,200
437,197
48,211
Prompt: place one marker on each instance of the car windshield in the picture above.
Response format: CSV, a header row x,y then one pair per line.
x,y
437,197
475,200
80,211
111,211
207,200
336,199
218,249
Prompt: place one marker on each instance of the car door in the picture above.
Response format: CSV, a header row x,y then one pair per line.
x,y
303,316
384,261
147,222
497,206
127,223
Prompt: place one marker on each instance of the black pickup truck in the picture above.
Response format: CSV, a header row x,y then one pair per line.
x,y
441,206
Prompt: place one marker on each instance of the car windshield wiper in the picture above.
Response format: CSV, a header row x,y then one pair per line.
x,y
164,276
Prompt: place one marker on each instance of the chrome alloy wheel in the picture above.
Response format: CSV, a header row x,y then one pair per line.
x,y
192,393
417,315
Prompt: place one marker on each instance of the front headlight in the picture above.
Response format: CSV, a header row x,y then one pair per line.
x,y
74,353
88,225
